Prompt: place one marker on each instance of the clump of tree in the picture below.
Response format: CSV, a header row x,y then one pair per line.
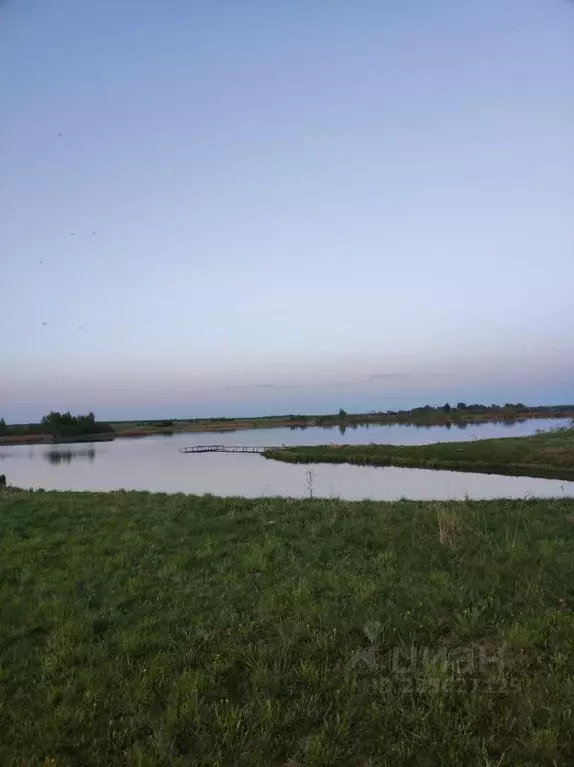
x,y
58,425
68,425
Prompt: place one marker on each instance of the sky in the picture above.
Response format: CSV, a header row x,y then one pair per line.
x,y
223,208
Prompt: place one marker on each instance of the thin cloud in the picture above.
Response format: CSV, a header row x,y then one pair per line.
x,y
260,386
339,384
401,376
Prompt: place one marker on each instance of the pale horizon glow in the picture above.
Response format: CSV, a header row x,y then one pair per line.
x,y
230,209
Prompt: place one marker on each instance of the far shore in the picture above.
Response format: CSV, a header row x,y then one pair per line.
x,y
420,417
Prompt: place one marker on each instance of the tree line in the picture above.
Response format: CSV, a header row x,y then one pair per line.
x,y
58,425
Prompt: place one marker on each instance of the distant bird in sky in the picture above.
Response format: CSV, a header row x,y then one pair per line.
x,y
44,323
40,262
72,234
79,327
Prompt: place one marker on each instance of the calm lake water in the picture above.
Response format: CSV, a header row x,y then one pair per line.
x,y
155,463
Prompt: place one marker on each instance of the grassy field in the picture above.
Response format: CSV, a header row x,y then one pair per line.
x,y
140,629
547,454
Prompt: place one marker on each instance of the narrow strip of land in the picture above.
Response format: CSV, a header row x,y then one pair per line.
x,y
461,416
227,449
549,454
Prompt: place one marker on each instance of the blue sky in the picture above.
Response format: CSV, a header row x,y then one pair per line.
x,y
224,207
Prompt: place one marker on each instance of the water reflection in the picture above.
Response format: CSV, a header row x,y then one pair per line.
x,y
155,463
67,456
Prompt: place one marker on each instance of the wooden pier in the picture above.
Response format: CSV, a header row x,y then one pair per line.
x,y
228,448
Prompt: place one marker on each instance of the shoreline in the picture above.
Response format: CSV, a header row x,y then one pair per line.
x,y
547,455
459,419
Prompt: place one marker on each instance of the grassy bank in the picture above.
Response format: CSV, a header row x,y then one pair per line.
x,y
459,417
144,629
548,454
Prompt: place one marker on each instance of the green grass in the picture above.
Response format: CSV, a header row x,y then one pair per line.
x,y
547,454
140,629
